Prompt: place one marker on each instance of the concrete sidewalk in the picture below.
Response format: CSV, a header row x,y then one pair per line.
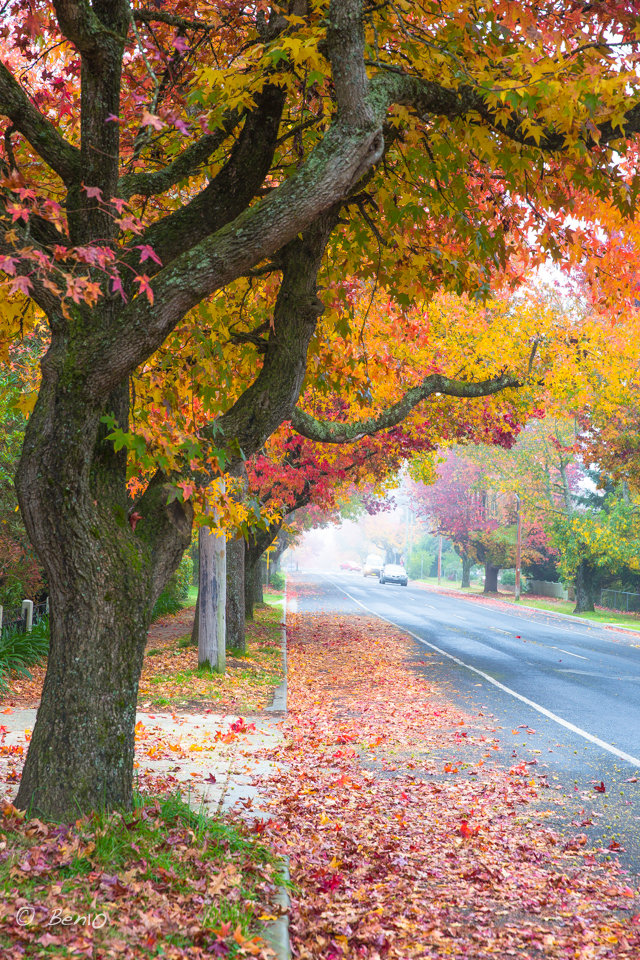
x,y
215,759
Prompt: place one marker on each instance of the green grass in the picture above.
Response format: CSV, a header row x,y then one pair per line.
x,y
632,621
476,587
563,606
164,850
274,599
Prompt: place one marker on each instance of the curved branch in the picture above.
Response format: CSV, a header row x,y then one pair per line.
x,y
172,20
429,98
331,431
232,189
43,136
186,164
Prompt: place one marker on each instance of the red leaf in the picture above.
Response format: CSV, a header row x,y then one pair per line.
x,y
94,193
600,788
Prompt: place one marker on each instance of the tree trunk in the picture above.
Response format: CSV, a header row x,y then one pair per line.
x,y
81,754
236,635
491,578
104,578
248,584
212,600
466,571
585,588
196,617
253,595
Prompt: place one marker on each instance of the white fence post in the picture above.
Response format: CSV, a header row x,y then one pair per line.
x,y
27,613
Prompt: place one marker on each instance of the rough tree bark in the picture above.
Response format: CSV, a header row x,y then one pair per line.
x,y
236,635
490,578
466,571
586,588
103,580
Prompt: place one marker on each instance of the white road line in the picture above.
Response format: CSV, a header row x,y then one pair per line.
x,y
568,652
634,761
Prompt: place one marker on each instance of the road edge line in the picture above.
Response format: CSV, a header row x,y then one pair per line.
x,y
627,757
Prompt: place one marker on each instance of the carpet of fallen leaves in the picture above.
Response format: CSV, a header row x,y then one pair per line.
x,y
405,838
160,881
170,678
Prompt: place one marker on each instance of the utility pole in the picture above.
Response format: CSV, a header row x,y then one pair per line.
x,y
439,560
518,546
212,596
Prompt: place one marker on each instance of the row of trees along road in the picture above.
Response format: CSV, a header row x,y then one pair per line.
x,y
157,165
577,523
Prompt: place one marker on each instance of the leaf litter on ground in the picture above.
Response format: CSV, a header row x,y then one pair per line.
x,y
162,880
406,839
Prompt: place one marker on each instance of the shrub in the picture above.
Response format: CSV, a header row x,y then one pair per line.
x,y
176,591
276,579
20,650
508,577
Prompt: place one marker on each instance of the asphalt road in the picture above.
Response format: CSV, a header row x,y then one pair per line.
x,y
569,689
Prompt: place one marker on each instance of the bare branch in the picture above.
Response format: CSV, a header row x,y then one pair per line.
x,y
172,20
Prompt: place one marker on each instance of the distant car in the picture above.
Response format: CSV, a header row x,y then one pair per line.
x,y
350,565
372,566
394,573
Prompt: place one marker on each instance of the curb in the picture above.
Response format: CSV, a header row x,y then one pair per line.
x,y
522,606
276,934
279,703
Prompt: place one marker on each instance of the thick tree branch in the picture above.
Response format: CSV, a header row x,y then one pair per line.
x,y
43,136
80,24
164,527
172,20
345,45
275,391
231,191
429,99
259,232
186,164
326,431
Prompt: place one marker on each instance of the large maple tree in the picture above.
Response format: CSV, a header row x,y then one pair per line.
x,y
153,157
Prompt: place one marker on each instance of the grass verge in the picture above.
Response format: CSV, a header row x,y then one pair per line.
x,y
630,620
171,678
162,880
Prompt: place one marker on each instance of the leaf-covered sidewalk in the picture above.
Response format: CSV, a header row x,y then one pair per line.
x,y
406,839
